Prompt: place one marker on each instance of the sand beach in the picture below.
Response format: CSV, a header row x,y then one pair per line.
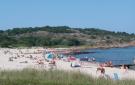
x,y
18,59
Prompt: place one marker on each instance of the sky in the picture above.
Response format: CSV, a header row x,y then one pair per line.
x,y
113,15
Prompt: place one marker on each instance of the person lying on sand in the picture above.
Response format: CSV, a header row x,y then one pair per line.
x,y
53,62
40,61
107,64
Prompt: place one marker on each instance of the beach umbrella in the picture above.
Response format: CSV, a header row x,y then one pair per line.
x,y
49,56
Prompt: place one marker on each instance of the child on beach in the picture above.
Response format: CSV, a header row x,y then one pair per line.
x,y
124,68
102,71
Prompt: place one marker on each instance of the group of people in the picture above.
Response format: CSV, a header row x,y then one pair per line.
x,y
102,73
101,68
107,64
124,68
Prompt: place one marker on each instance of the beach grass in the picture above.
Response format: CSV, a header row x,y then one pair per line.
x,y
53,77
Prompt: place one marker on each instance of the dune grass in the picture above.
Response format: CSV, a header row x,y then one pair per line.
x,y
55,77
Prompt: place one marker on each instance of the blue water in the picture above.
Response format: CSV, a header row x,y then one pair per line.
x,y
118,56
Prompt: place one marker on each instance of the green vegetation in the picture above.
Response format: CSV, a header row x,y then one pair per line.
x,y
35,77
61,36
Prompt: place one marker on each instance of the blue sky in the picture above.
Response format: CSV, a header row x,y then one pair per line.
x,y
115,15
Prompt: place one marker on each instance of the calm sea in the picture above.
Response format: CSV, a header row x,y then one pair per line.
x,y
116,55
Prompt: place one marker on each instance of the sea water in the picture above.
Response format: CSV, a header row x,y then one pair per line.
x,y
118,56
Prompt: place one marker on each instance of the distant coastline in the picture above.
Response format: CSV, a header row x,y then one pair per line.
x,y
64,36
131,44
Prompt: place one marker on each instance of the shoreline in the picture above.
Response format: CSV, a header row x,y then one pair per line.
x,y
106,46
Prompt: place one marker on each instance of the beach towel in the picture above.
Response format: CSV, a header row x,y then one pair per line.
x,y
116,77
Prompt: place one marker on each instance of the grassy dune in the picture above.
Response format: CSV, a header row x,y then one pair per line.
x,y
34,77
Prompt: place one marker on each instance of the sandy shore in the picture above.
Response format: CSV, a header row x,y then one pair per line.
x,y
28,58
91,68
18,58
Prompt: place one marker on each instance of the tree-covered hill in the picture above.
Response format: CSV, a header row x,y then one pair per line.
x,y
61,36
